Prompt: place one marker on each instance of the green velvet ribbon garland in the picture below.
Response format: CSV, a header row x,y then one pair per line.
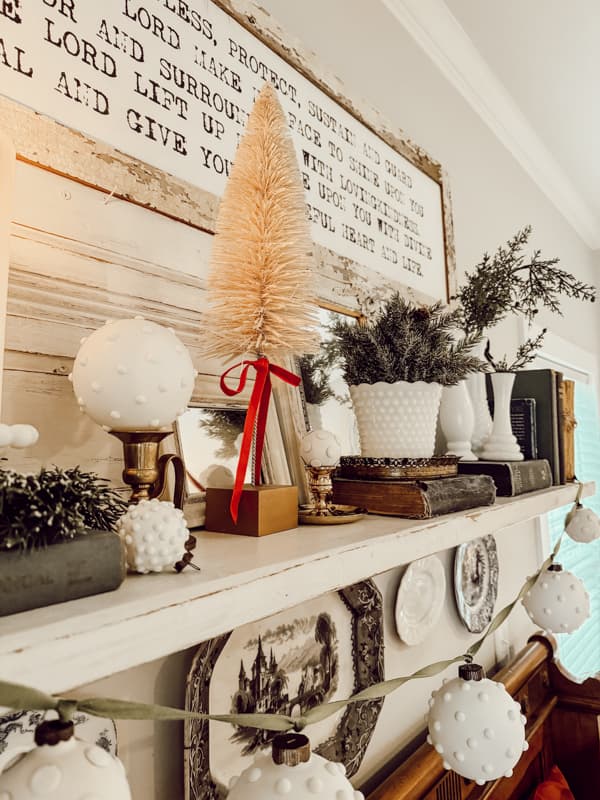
x,y
24,698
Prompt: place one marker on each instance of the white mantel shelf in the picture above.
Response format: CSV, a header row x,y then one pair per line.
x,y
242,579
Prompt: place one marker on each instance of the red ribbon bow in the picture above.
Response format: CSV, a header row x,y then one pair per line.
x,y
257,413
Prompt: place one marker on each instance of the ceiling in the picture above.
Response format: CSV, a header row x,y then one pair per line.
x,y
530,68
547,54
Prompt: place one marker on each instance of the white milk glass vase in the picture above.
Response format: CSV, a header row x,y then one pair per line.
x,y
457,421
396,420
502,444
476,387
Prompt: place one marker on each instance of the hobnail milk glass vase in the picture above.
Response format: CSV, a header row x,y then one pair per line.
x,y
502,444
477,391
457,420
396,420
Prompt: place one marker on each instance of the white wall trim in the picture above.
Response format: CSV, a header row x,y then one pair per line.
x,y
444,40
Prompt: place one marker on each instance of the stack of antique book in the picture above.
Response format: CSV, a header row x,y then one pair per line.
x,y
413,488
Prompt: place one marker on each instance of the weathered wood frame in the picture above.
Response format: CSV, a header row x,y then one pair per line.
x,y
341,282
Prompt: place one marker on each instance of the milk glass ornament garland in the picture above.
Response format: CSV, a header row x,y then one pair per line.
x,y
476,726
496,733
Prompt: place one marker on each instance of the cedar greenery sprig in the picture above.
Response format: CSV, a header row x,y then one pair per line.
x,y
510,282
526,352
405,343
54,505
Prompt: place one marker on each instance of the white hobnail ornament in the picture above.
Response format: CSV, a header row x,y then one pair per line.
x,y
502,444
320,449
18,436
457,420
476,386
317,777
477,728
583,525
154,532
133,374
558,602
396,420
71,770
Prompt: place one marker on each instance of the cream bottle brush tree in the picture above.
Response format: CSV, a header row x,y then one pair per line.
x,y
260,284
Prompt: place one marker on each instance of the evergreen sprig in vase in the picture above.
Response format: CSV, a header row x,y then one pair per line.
x,y
396,365
502,443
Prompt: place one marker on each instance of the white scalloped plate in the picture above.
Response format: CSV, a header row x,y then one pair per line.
x,y
420,599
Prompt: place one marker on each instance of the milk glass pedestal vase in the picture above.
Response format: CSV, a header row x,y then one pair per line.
x,y
457,421
476,387
396,420
502,444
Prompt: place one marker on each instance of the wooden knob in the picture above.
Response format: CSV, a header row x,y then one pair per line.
x,y
53,731
291,749
471,672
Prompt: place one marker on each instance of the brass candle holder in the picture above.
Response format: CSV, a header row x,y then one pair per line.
x,y
322,511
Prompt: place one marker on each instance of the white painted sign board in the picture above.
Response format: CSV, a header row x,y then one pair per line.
x,y
171,83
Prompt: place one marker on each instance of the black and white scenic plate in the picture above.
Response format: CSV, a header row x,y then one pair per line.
x,y
476,582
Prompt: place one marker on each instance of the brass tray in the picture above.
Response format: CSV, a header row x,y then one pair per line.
x,y
397,469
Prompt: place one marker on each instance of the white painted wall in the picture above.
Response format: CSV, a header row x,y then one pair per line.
x,y
367,49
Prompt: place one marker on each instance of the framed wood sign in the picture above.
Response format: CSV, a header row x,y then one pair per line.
x,y
162,92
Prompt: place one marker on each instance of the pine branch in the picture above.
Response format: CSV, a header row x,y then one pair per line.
x,y
405,342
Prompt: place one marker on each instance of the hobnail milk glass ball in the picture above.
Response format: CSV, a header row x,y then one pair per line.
x,y
73,770
558,602
133,374
320,449
154,532
477,728
19,436
584,525
314,779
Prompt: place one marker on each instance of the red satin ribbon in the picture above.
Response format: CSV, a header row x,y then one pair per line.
x,y
257,413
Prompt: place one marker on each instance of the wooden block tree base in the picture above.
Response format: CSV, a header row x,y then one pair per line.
x,y
263,510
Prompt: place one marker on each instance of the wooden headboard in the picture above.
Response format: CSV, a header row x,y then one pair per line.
x,y
562,728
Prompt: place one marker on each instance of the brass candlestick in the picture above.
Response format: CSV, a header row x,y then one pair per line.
x,y
322,511
145,471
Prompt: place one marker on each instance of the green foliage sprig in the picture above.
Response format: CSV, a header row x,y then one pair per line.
x,y
405,343
511,283
315,370
54,505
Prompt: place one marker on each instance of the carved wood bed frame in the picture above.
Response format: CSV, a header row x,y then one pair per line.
x,y
563,728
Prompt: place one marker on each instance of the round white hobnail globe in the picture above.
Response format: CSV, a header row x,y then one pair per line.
x,y
70,770
396,420
558,602
317,777
502,444
133,374
154,533
457,420
584,525
477,728
320,449
476,386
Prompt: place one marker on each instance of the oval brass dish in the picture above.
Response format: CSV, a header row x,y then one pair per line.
x,y
395,469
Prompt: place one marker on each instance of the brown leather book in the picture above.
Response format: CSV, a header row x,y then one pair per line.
x,y
416,499
568,427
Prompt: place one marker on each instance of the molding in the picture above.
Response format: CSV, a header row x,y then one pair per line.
x,y
440,35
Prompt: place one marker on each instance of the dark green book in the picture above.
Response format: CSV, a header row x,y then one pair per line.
x,y
542,385
89,564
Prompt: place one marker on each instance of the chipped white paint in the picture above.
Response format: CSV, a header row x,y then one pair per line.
x,y
242,580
